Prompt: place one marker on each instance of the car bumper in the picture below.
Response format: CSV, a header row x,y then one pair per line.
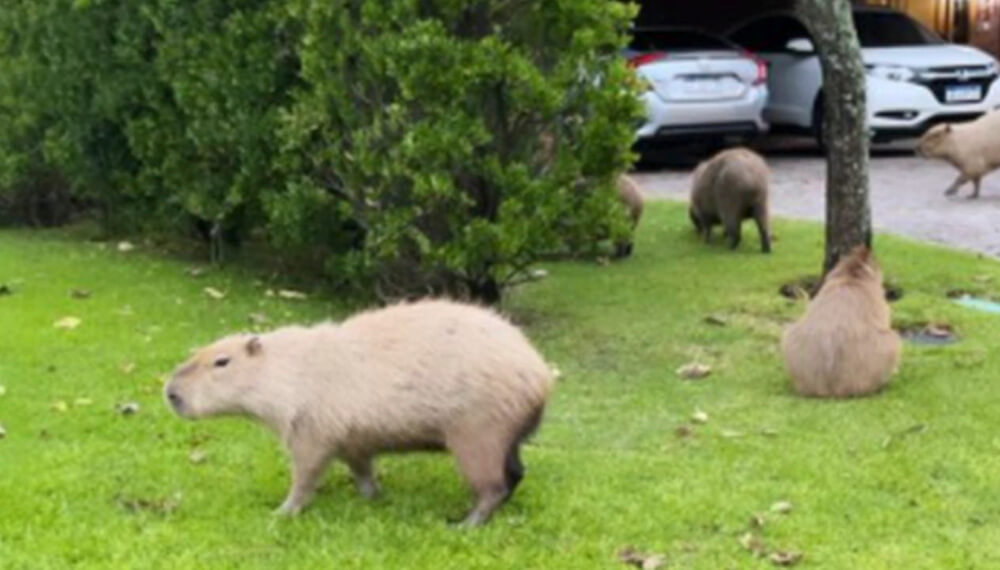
x,y
666,120
903,110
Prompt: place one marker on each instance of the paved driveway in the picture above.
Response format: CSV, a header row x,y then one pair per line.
x,y
907,194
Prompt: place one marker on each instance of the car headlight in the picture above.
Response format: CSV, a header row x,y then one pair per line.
x,y
891,72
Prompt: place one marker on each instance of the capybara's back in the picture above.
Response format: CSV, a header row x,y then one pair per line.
x,y
844,345
728,188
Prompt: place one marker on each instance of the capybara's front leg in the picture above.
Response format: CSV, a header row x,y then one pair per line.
x,y
975,188
308,463
733,233
764,230
364,475
962,179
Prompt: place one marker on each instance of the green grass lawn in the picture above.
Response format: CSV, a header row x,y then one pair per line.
x,y
908,479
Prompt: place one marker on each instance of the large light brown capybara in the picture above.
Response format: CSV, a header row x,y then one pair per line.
x,y
973,148
430,375
844,345
729,188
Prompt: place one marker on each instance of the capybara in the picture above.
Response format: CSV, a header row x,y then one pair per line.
x,y
729,188
429,375
844,345
973,148
631,196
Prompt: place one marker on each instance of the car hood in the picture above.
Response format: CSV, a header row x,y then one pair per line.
x,y
941,55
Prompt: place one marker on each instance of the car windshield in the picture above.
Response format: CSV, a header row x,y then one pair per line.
x,y
889,29
666,39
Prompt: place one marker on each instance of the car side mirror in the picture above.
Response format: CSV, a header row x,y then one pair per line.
x,y
800,46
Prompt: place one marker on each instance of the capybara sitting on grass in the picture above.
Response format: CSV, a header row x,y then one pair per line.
x,y
631,196
430,375
729,188
844,345
973,148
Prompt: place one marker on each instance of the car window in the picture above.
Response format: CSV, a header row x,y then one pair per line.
x,y
769,34
666,39
891,29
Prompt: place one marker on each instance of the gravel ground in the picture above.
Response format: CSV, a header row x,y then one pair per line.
x,y
907,193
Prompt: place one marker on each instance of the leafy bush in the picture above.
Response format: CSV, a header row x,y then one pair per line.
x,y
394,141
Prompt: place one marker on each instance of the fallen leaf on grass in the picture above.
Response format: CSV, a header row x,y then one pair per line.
x,y
782,558
769,432
3,432
258,318
195,271
269,293
125,246
730,434
214,293
80,402
79,294
197,456
291,294
128,367
160,506
603,261
67,323
684,430
3,391
60,406
781,507
128,408
628,555
699,417
757,520
753,543
694,371
914,429
716,320
538,274
982,278
937,330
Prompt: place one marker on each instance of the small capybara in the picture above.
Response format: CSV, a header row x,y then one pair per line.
x,y
973,148
729,188
631,196
429,375
844,345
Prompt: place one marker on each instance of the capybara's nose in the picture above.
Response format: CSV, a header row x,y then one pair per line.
x,y
175,400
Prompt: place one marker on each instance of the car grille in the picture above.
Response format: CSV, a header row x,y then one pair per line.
x,y
938,79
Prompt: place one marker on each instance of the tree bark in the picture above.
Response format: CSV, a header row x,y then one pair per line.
x,y
843,129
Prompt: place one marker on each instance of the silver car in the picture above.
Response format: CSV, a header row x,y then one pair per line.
x,y
699,86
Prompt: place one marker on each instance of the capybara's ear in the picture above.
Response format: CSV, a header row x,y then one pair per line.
x,y
253,346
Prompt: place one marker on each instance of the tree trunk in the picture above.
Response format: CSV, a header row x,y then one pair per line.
x,y
844,131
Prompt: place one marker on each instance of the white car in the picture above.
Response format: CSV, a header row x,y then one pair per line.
x,y
915,79
699,86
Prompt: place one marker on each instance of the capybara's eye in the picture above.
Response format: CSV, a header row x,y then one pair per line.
x,y
221,361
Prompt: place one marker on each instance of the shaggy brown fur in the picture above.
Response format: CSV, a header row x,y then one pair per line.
x,y
431,375
729,188
973,148
631,196
844,345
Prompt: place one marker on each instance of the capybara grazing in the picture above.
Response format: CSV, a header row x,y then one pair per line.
x,y
844,345
430,375
631,196
729,188
973,148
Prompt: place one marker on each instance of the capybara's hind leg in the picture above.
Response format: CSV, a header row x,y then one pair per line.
x,y
308,463
975,187
760,217
482,462
513,469
733,234
962,179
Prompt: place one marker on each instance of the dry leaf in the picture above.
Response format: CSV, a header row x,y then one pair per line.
x,y
79,294
728,433
769,432
556,373
128,408
162,506
753,543
938,330
214,293
3,391
782,507
60,406
197,456
782,558
716,320
291,294
757,520
641,560
269,293
124,246
694,371
3,432
982,278
258,318
67,323
128,367
699,417
603,261
80,402
539,274
195,271
684,430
